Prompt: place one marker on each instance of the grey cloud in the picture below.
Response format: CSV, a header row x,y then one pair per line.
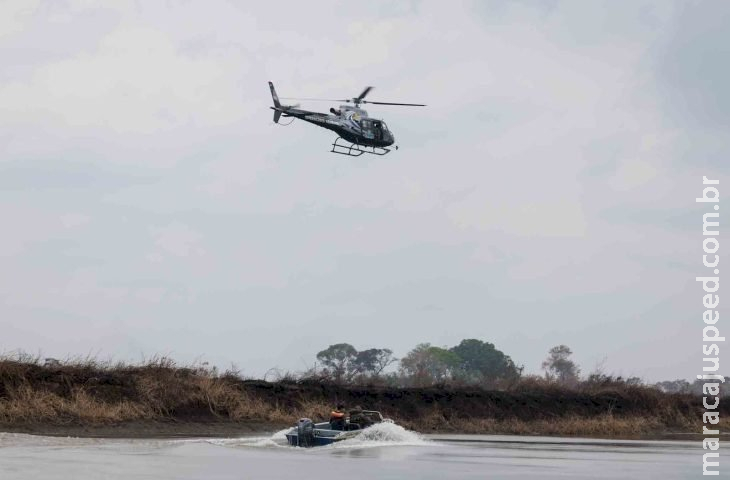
x,y
539,199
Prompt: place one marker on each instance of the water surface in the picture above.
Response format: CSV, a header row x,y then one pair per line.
x,y
383,452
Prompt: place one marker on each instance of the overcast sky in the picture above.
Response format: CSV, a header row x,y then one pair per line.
x,y
546,194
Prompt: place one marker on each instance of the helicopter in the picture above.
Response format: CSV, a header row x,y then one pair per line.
x,y
357,132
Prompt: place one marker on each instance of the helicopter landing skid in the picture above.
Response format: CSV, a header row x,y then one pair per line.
x,y
355,149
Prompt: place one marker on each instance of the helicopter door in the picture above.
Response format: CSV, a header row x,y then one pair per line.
x,y
368,129
378,130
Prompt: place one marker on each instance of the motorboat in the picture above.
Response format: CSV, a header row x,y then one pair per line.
x,y
306,433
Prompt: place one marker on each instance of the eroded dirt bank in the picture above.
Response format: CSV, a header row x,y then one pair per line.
x,y
159,399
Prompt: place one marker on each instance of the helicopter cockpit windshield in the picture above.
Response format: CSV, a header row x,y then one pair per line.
x,y
376,128
382,132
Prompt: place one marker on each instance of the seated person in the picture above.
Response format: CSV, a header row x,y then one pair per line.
x,y
337,418
357,416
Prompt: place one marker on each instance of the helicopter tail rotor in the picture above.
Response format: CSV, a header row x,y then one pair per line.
x,y
274,96
278,108
277,104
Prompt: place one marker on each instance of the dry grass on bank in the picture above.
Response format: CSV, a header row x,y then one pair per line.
x,y
604,425
28,405
92,392
89,392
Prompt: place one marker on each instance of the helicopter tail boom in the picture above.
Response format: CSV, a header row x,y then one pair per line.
x,y
279,109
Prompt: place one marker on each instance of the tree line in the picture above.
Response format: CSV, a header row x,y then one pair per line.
x,y
695,387
471,362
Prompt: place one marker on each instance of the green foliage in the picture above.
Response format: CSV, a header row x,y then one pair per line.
x,y
339,360
471,362
481,362
445,357
426,364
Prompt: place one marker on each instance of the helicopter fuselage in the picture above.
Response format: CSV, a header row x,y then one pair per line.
x,y
350,123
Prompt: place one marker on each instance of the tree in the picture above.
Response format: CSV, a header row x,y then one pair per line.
x,y
373,361
697,387
444,364
339,361
559,366
383,359
481,362
674,386
426,364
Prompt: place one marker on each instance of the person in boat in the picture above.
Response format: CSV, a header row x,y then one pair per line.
x,y
337,418
357,416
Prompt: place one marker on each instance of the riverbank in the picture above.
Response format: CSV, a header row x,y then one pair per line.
x,y
140,429
160,399
171,430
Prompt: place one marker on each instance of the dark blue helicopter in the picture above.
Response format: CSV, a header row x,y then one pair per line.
x,y
357,132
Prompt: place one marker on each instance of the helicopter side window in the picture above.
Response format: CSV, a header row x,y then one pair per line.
x,y
368,129
377,129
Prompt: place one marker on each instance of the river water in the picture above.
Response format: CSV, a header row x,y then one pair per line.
x,y
386,452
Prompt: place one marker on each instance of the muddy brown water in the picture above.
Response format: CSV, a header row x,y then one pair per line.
x,y
386,452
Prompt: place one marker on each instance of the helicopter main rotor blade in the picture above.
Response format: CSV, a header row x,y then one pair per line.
x,y
363,94
315,99
401,104
356,101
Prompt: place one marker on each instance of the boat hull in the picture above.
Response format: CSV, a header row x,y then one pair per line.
x,y
323,435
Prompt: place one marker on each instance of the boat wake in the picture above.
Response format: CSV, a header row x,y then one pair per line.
x,y
379,435
382,435
278,439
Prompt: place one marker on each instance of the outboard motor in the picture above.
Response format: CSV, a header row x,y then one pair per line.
x,y
305,433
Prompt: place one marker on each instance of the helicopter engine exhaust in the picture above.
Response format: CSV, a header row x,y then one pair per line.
x,y
336,112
